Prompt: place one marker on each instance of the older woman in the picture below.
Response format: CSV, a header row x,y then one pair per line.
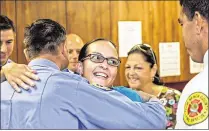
x,y
142,74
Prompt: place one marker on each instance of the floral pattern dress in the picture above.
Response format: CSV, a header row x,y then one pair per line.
x,y
170,98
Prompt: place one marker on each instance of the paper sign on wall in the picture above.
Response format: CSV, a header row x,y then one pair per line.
x,y
195,67
129,34
169,53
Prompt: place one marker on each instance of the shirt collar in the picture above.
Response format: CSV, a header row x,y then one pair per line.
x,y
9,61
68,70
43,62
205,60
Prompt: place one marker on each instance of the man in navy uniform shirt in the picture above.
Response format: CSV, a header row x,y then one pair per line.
x,y
63,100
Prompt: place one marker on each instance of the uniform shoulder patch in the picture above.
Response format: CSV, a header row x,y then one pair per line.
x,y
195,108
101,87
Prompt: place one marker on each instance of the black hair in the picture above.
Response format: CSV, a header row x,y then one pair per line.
x,y
83,52
149,56
43,35
6,23
190,6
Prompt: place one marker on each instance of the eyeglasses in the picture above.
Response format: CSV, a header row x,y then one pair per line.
x,y
145,48
97,58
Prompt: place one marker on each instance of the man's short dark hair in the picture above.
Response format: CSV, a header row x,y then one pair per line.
x,y
190,6
83,52
43,35
6,23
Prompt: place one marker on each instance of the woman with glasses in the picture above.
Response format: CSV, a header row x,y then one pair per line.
x,y
92,65
141,73
99,65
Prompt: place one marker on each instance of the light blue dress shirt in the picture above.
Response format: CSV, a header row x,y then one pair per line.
x,y
63,100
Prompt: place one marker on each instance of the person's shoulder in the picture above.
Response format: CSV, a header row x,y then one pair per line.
x,y
198,83
6,90
174,91
5,85
165,89
60,75
169,97
169,93
63,81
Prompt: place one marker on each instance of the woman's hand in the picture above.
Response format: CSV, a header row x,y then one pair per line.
x,y
145,96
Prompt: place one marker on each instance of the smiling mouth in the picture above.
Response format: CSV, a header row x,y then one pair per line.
x,y
100,75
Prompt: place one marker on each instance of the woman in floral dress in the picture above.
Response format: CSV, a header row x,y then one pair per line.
x,y
141,73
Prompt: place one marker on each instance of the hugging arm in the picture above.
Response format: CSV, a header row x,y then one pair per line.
x,y
18,75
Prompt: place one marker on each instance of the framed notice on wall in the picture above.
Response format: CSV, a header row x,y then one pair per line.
x,y
129,34
169,53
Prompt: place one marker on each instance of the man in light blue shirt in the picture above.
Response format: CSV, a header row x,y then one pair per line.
x,y
63,100
7,41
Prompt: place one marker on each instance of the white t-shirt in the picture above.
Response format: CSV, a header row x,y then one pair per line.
x,y
192,112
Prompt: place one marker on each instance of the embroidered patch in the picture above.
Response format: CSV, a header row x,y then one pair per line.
x,y
196,108
101,87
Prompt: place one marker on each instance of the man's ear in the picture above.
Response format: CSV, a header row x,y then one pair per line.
x,y
63,48
26,55
79,68
198,21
